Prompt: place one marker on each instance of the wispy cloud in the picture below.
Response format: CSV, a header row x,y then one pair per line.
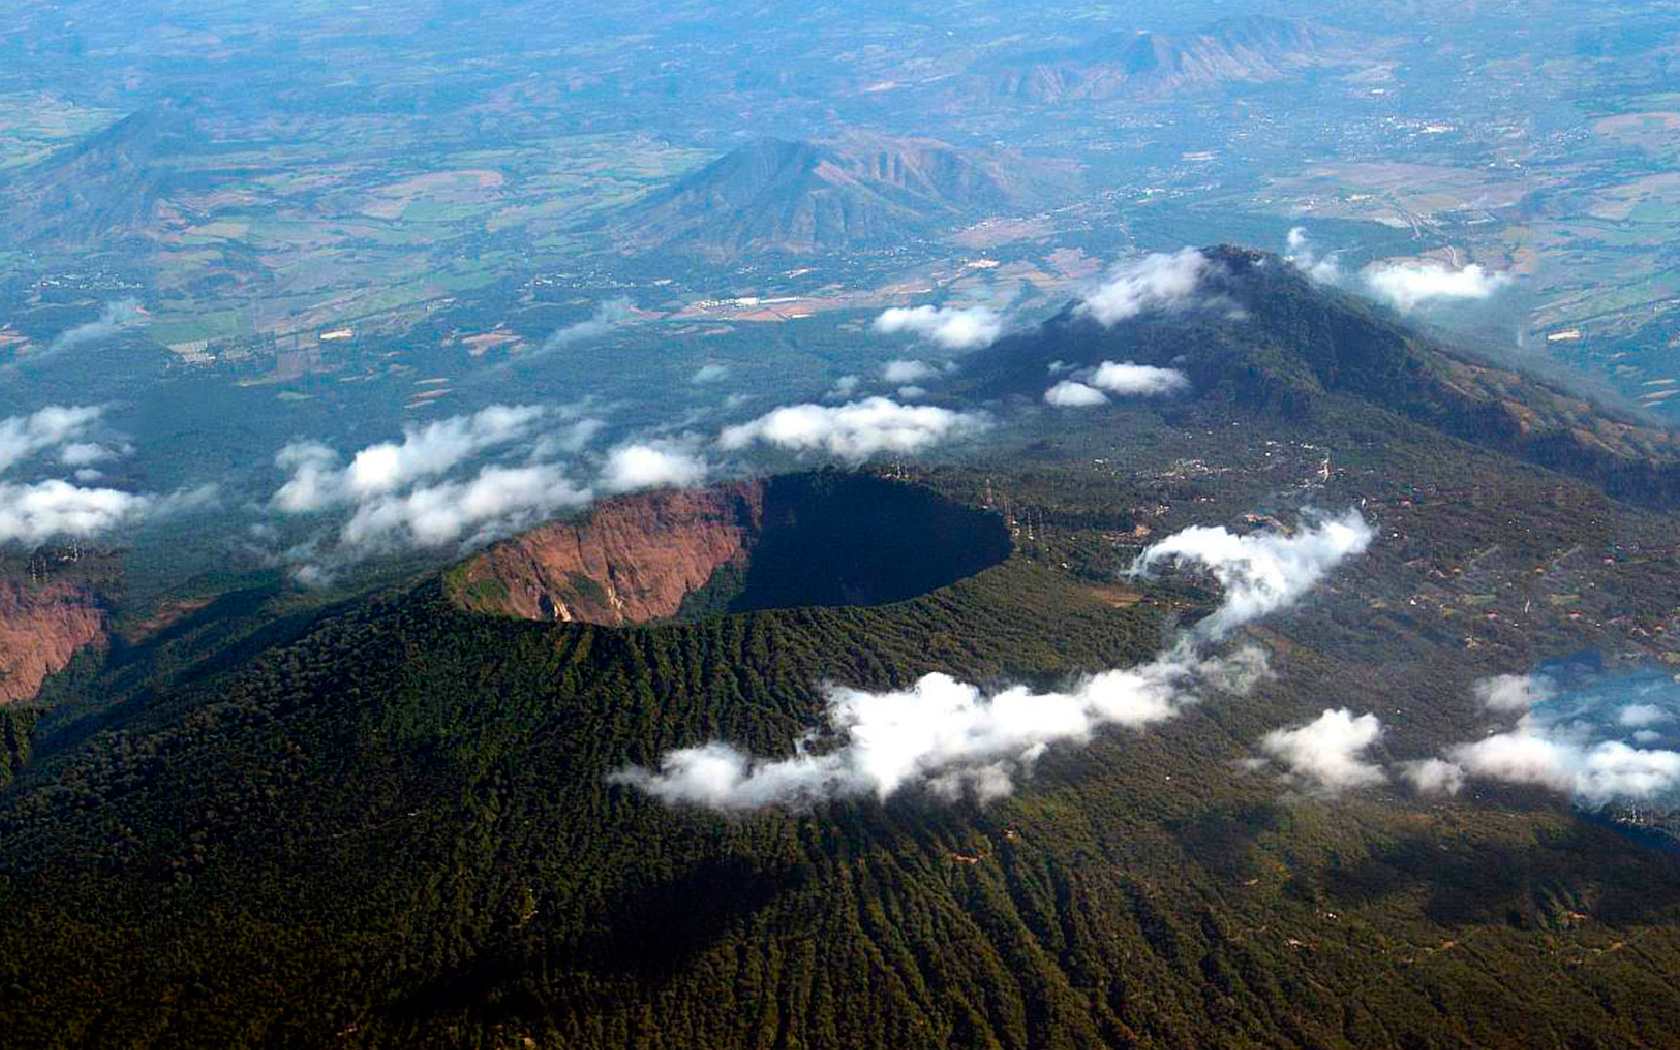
x,y
1324,269
24,436
319,480
607,316
1260,573
1514,692
495,502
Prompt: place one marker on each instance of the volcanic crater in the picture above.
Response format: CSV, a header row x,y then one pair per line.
x,y
822,538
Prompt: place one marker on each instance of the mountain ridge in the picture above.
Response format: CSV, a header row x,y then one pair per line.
x,y
1251,49
1263,335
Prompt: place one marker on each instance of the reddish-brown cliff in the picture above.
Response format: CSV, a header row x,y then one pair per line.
x,y
41,628
630,561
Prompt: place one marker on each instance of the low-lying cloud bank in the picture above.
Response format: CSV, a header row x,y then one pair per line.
x,y
948,327
319,479
399,496
412,493
1154,281
44,510
952,739
856,430
1405,286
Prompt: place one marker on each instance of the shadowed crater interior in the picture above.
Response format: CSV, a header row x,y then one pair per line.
x,y
823,538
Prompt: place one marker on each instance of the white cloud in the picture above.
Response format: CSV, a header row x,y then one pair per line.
x,y
844,388
188,501
496,502
1434,776
950,738
114,318
941,734
83,453
1514,692
1594,774
1127,378
856,430
1637,716
949,327
656,464
1573,756
396,501
1406,285
1068,394
1328,751
1260,573
902,371
24,436
38,511
1151,282
712,373
317,482
35,513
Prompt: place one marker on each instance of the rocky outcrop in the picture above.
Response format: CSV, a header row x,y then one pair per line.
x,y
632,560
41,628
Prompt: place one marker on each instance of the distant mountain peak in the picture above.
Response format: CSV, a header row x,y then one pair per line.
x,y
798,196
100,191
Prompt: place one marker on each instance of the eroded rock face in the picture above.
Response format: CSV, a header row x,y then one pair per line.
x,y
41,628
630,561
825,538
